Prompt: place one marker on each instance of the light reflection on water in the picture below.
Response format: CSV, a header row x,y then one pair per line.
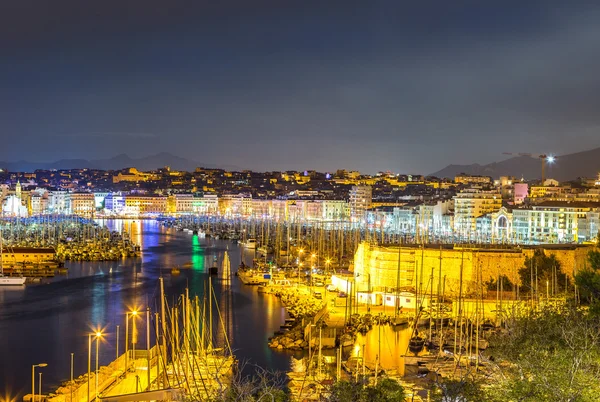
x,y
46,322
387,343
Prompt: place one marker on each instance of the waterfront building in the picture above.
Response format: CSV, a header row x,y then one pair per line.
x,y
180,204
99,197
13,207
361,198
431,218
114,203
58,202
82,204
333,210
496,227
141,204
471,204
236,204
278,209
208,204
38,203
260,208
554,222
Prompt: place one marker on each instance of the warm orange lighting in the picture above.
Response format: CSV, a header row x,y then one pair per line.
x,y
313,255
134,312
98,334
300,251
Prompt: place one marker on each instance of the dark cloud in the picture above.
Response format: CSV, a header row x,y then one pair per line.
x,y
280,85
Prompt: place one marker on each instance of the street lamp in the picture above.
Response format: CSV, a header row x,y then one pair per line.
x,y
97,334
33,378
133,314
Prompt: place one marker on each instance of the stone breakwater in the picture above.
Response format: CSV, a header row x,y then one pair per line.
x,y
301,307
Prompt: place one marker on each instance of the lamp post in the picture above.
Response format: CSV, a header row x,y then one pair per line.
x,y
40,386
97,335
33,379
72,355
133,314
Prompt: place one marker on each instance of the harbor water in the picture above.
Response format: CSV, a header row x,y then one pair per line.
x,y
47,322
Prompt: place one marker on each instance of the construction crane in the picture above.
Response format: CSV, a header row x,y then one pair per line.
x,y
543,157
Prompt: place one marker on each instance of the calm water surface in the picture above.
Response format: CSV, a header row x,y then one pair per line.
x,y
47,322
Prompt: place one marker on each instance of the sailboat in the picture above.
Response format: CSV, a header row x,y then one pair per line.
x,y
8,280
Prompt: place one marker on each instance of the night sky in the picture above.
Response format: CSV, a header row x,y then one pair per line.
x,y
272,85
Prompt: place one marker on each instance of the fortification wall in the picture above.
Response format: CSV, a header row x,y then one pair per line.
x,y
430,269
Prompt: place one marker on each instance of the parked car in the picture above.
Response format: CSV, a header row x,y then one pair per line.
x,y
317,295
331,288
342,294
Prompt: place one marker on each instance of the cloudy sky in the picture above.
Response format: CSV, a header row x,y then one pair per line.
x,y
269,85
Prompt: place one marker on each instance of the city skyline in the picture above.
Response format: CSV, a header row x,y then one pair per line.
x,y
362,86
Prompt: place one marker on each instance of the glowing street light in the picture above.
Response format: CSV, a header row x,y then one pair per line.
x,y
550,159
33,378
97,335
133,314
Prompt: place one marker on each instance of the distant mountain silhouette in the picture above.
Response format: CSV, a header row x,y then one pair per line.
x,y
566,167
118,162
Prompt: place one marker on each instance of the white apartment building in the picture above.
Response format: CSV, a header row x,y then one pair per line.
x,y
361,199
470,205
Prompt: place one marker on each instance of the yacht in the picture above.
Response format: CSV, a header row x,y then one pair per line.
x,y
11,280
250,243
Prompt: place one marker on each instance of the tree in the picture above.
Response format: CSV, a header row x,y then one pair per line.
x,y
588,282
386,390
547,356
504,280
541,269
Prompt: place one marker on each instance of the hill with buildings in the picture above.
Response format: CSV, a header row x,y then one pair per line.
x,y
118,162
565,167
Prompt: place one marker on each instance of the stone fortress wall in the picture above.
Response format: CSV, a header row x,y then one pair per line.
x,y
381,268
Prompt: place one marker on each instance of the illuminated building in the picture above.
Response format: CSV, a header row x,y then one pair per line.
x,y
138,204
131,175
14,207
180,204
555,222
207,204
520,193
468,179
361,198
333,210
82,204
471,204
58,202
114,203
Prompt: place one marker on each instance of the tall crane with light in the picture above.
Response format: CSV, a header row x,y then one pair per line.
x,y
543,157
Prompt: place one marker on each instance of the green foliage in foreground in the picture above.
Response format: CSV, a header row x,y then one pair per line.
x,y
588,282
548,356
386,390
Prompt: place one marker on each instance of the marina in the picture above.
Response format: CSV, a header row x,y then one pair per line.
x,y
318,313
64,309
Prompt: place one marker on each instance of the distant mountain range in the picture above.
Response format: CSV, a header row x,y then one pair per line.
x,y
116,163
565,167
